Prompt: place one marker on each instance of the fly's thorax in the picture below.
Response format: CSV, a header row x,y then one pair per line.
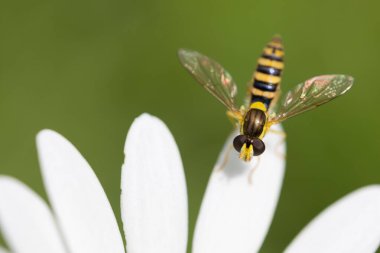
x,y
254,123
253,127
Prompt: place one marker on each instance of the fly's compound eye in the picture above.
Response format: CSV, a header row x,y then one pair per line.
x,y
239,142
258,146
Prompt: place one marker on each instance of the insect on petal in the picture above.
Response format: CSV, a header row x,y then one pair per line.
x,y
235,213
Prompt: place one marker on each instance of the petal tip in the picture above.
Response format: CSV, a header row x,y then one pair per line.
x,y
11,185
48,140
46,135
146,119
143,125
6,180
373,190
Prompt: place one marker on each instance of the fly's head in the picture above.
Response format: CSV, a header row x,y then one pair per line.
x,y
248,146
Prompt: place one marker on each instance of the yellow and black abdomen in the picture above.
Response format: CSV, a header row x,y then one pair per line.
x,y
267,77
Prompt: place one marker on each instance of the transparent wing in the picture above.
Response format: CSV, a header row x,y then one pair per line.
x,y
211,75
274,105
310,94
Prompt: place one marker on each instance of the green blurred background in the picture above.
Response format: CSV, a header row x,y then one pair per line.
x,y
87,68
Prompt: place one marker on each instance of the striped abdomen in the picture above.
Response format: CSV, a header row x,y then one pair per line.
x,y
267,76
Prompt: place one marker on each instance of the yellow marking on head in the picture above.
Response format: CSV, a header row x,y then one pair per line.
x,y
277,52
271,63
267,78
266,94
258,105
246,153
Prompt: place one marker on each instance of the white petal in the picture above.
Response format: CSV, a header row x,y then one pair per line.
x,y
352,224
235,213
26,222
79,202
154,198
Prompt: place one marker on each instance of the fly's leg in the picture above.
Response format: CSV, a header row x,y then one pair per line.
x,y
234,117
279,132
282,141
252,171
225,159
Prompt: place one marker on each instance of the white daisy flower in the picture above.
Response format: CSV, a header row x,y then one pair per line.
x,y
235,214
